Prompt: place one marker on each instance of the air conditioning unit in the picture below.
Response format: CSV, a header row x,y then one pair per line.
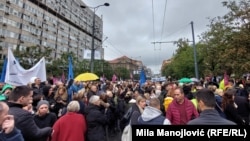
x,y
8,1
7,13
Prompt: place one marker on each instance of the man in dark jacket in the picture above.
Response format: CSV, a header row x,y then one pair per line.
x,y
22,96
7,125
208,115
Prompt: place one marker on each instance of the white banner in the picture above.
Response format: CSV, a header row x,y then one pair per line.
x,y
16,75
87,54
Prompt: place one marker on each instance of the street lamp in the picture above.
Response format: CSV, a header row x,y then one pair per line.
x,y
93,35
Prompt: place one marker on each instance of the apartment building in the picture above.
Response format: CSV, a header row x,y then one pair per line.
x,y
62,25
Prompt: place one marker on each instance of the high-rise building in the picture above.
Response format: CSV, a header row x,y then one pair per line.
x,y
58,24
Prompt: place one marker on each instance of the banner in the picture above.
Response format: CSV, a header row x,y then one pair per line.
x,y
87,54
16,75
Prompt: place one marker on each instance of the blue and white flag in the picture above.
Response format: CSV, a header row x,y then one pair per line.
x,y
142,77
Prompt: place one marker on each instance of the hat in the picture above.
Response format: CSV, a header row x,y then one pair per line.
x,y
41,102
5,87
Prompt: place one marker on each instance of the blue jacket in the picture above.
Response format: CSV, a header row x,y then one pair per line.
x,y
15,135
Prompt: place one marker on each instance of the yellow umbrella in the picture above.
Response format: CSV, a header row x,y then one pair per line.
x,y
86,77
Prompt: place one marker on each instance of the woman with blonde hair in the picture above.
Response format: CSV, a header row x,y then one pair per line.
x,y
81,97
137,109
61,97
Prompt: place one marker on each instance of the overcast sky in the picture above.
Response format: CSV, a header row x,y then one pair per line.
x,y
131,26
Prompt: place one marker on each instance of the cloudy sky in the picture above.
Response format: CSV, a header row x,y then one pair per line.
x,y
132,26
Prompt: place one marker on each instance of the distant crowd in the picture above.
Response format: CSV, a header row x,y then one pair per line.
x,y
99,110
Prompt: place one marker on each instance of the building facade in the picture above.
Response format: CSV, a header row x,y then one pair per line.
x,y
134,66
62,25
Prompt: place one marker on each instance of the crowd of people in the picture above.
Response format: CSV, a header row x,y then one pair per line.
x,y
99,110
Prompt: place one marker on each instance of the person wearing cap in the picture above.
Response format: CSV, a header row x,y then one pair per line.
x,y
43,117
6,90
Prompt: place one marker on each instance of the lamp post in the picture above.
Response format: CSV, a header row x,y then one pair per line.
x,y
93,35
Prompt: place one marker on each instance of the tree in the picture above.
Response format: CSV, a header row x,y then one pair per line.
x,y
227,42
29,56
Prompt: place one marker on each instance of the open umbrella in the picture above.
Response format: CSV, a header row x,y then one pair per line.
x,y
185,80
86,77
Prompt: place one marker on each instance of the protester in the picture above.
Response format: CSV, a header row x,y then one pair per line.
x,y
96,120
230,107
7,125
6,90
61,98
81,97
22,96
72,126
181,110
137,109
152,114
43,117
208,114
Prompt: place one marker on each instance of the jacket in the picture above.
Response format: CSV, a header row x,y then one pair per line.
x,y
173,113
152,116
210,117
15,135
25,122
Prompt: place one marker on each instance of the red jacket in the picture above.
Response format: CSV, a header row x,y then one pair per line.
x,y
173,113
70,127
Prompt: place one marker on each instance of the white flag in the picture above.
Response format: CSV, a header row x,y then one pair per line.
x,y
16,75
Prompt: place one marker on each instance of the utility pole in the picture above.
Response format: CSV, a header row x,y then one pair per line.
x,y
195,53
194,48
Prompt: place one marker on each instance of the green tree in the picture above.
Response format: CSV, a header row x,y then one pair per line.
x,y
31,55
227,42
